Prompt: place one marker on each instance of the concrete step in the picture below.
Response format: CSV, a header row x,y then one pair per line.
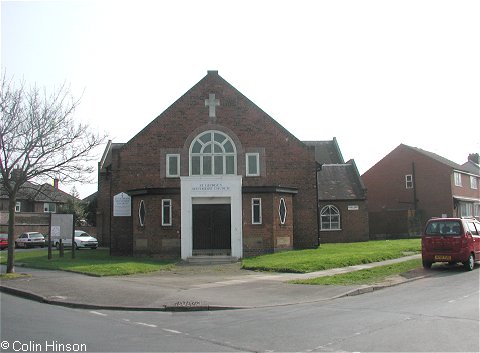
x,y
211,260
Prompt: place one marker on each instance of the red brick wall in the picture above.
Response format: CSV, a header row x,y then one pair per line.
x,y
353,223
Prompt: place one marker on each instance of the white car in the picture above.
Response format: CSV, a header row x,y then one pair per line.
x,y
83,240
29,240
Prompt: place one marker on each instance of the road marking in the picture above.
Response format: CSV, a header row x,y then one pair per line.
x,y
144,324
452,301
171,331
97,313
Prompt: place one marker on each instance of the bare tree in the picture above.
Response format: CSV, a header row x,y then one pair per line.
x,y
40,139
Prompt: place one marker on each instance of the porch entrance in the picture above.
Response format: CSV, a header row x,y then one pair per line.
x,y
211,225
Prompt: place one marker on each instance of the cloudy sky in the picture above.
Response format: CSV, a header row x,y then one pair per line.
x,y
373,74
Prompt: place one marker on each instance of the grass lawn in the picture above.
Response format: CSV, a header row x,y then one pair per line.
x,y
93,262
368,276
332,256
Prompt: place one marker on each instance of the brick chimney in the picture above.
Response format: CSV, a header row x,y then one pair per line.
x,y
55,183
474,157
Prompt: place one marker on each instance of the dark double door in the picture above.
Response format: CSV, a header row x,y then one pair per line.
x,y
212,228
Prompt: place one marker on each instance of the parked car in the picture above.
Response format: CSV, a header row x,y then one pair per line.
x,y
3,241
451,240
82,240
30,240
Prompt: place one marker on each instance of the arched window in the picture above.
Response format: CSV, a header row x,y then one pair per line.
x,y
330,218
213,153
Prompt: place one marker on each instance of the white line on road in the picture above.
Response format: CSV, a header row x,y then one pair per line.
x,y
171,331
144,324
97,313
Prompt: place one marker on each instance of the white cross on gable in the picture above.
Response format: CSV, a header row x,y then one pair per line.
x,y
211,103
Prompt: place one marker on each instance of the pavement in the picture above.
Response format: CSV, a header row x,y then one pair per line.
x,y
187,288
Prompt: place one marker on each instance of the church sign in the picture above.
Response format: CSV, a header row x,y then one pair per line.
x,y
211,187
122,205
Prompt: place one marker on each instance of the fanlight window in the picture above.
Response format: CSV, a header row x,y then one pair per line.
x,y
213,153
330,218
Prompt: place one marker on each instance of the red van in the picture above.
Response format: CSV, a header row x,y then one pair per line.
x,y
451,240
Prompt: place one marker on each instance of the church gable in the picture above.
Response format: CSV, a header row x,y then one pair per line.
x,y
212,173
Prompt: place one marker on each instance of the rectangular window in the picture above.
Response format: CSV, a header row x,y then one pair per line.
x,y
18,205
166,212
49,207
473,182
253,164
458,178
256,211
173,165
466,209
409,181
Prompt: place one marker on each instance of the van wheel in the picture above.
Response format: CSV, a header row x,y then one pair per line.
x,y
427,265
75,245
470,263
57,245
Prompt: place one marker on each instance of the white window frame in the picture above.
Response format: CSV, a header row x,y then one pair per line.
x,y
46,207
330,216
247,164
257,202
209,151
167,203
141,220
409,181
457,178
284,203
168,156
473,182
18,206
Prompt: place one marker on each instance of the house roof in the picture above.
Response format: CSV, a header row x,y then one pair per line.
x,y
40,193
326,152
340,182
465,167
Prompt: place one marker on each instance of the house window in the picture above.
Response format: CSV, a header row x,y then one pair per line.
x,y
473,182
458,178
18,206
256,211
173,165
141,213
213,153
49,207
253,164
166,212
330,218
409,181
282,211
466,209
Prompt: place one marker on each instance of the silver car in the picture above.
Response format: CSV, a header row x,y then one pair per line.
x,y
30,239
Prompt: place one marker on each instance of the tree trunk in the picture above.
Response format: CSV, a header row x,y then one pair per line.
x,y
11,234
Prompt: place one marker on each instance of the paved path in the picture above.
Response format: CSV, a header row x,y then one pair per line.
x,y
185,288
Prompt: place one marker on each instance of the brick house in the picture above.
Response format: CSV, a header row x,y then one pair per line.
x,y
34,204
213,174
410,185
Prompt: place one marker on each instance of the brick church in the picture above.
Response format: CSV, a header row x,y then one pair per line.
x,y
213,174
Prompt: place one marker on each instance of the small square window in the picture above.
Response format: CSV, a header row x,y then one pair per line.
x,y
173,165
166,212
253,164
409,181
256,211
18,206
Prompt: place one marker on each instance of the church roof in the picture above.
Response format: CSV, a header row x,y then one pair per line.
x,y
326,152
340,182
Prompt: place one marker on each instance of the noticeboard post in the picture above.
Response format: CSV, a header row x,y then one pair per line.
x,y
61,227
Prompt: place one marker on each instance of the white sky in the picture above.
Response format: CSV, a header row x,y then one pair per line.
x,y
374,74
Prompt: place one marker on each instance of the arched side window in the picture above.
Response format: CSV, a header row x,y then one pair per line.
x,y
330,218
213,153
